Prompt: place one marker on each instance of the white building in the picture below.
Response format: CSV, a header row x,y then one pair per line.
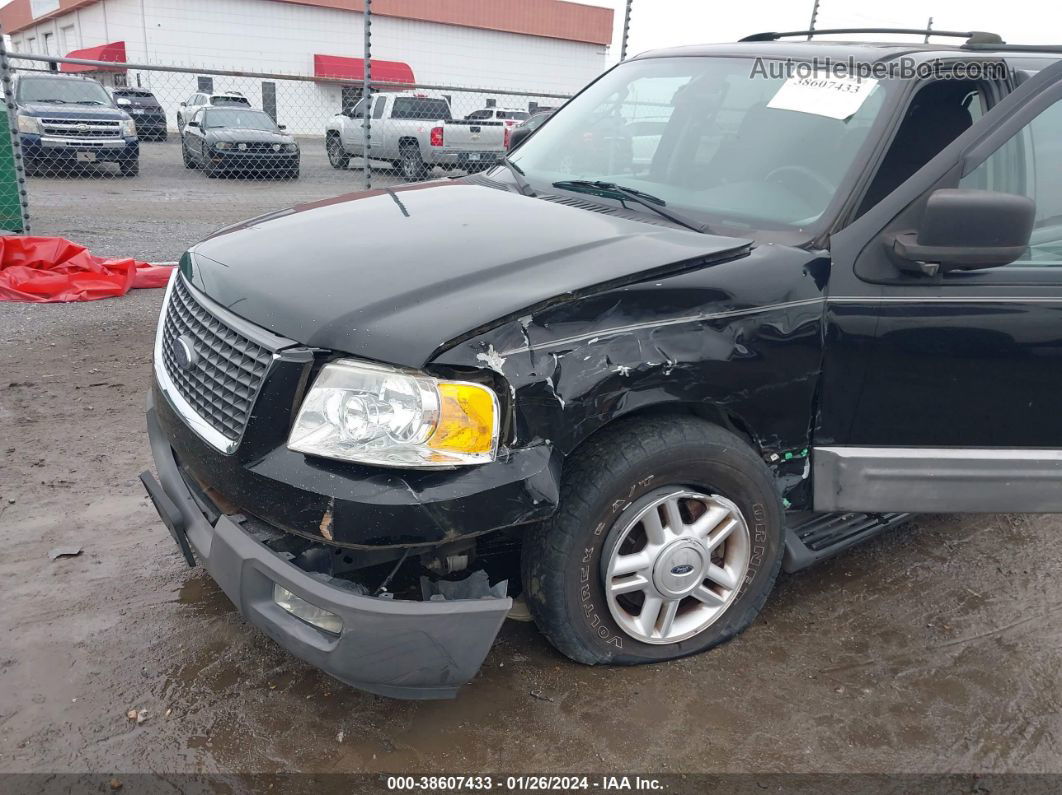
x,y
530,46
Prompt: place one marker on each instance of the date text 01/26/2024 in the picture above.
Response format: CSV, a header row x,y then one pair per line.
x,y
527,783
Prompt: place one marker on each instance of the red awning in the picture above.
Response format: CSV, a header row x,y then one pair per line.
x,y
336,66
115,52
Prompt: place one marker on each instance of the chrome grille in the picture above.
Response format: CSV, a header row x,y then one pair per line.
x,y
86,129
223,381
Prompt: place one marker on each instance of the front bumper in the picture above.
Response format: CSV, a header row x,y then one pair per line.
x,y
254,161
396,648
67,149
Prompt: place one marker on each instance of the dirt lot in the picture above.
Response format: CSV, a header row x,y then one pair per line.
x,y
158,214
935,648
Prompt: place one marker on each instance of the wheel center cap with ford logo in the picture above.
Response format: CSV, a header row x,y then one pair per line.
x,y
680,568
184,352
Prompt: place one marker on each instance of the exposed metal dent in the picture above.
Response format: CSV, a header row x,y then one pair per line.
x,y
739,343
937,480
597,334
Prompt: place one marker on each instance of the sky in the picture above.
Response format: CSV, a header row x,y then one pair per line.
x,y
665,23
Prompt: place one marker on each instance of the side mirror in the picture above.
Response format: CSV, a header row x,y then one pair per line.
x,y
184,104
282,126
964,229
517,135
193,124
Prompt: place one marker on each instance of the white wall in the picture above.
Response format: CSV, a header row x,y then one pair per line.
x,y
258,35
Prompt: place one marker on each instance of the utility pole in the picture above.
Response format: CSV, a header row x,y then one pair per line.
x,y
814,16
366,92
626,31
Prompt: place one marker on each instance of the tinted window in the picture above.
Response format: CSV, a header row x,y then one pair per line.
x,y
479,114
1029,164
59,91
420,108
378,108
519,115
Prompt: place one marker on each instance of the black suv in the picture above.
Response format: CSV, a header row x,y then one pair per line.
x,y
633,372
147,113
66,121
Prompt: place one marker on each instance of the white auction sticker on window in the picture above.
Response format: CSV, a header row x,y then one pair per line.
x,y
824,95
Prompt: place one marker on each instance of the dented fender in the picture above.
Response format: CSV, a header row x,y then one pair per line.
x,y
739,342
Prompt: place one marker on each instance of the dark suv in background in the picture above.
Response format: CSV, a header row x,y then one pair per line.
x,y
147,113
66,121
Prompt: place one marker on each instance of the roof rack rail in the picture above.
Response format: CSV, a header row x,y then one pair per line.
x,y
973,37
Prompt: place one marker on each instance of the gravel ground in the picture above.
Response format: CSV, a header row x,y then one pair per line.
x,y
935,648
160,213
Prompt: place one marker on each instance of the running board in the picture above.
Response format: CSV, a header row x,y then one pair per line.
x,y
811,537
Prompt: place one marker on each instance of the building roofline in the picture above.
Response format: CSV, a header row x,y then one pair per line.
x,y
554,19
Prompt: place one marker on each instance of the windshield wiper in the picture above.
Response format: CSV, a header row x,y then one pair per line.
x,y
49,101
518,175
654,203
89,102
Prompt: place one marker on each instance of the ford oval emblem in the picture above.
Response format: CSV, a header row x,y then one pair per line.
x,y
682,569
184,353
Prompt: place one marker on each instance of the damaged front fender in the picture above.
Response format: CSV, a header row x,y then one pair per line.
x,y
739,342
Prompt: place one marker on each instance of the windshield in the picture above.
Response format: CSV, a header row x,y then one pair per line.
x,y
59,91
700,134
240,119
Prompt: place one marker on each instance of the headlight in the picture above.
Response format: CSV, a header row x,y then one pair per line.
x,y
356,411
29,124
123,101
222,145
128,128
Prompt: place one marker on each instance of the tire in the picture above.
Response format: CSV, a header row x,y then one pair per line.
x,y
291,173
129,168
187,156
32,167
622,471
337,156
412,166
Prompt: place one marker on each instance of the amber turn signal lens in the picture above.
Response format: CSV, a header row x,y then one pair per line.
x,y
467,421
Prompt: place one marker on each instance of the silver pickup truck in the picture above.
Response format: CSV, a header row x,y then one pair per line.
x,y
415,132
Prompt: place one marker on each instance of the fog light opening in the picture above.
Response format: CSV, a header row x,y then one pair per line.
x,y
314,616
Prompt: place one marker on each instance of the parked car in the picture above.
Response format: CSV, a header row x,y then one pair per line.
x,y
510,117
66,121
240,141
416,133
147,113
629,395
200,99
525,128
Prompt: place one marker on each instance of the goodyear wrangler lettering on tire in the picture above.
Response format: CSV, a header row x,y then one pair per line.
x,y
667,541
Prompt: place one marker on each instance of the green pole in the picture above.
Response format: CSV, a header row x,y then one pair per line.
x,y
13,216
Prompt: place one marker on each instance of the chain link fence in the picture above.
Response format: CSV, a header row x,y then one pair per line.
x,y
126,157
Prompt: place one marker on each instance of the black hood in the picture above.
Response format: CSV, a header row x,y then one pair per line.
x,y
240,134
393,275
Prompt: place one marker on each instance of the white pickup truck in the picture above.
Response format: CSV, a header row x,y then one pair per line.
x,y
415,132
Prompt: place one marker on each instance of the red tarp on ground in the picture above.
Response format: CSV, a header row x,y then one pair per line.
x,y
52,269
